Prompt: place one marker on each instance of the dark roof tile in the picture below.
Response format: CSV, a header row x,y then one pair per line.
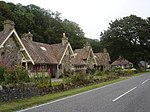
x,y
81,56
121,61
101,58
44,53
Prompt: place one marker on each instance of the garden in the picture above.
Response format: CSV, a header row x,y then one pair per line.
x,y
15,83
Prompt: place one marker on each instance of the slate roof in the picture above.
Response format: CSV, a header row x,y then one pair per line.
x,y
44,53
81,55
121,61
101,58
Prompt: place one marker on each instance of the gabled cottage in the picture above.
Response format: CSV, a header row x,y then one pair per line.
x,y
103,61
122,63
84,58
54,59
12,50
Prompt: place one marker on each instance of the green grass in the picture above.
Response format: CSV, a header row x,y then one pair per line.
x,y
138,74
28,102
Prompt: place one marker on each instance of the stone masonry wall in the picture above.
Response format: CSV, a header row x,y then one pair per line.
x,y
18,91
11,52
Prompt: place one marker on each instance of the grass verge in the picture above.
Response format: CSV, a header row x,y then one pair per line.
x,y
28,102
138,74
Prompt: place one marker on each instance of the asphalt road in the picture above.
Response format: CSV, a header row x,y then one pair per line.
x,y
132,95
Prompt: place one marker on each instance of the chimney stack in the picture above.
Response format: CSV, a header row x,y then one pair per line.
x,y
105,50
64,39
87,46
28,36
8,25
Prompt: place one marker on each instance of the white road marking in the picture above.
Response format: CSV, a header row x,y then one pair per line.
x,y
145,81
54,101
124,94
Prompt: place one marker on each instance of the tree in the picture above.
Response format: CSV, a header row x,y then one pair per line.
x,y
5,13
45,25
95,45
75,34
127,37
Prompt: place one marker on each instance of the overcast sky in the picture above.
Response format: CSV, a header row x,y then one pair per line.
x,y
93,16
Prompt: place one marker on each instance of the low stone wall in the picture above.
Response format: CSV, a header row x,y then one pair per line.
x,y
20,91
17,91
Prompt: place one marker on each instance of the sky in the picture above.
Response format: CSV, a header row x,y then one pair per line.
x,y
93,16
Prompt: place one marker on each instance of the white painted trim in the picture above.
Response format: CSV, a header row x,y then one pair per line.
x,y
94,57
23,46
91,50
1,46
68,45
71,49
7,37
14,31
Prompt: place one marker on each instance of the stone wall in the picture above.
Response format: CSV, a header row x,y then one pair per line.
x,y
11,52
66,65
18,91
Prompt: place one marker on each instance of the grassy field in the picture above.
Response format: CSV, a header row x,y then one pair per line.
x,y
29,102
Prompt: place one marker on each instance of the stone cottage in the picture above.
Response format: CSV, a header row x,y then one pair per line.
x,y
103,60
84,58
12,50
122,63
55,59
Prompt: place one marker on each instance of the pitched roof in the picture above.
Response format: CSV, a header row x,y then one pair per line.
x,y
121,61
44,53
101,58
5,35
81,56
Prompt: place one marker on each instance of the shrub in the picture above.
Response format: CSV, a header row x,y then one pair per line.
x,y
90,71
2,70
10,76
76,77
67,80
41,79
101,73
119,71
141,69
128,72
15,75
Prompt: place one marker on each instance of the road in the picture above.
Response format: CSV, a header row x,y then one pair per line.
x,y
131,95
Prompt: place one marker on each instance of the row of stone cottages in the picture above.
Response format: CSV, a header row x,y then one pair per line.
x,y
54,59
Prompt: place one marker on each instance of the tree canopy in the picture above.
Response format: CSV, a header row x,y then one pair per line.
x,y
128,37
45,25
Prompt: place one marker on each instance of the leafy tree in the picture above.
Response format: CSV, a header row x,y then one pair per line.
x,y
95,45
5,13
75,34
45,25
127,37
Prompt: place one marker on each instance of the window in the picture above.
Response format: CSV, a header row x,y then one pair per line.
x,y
3,53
